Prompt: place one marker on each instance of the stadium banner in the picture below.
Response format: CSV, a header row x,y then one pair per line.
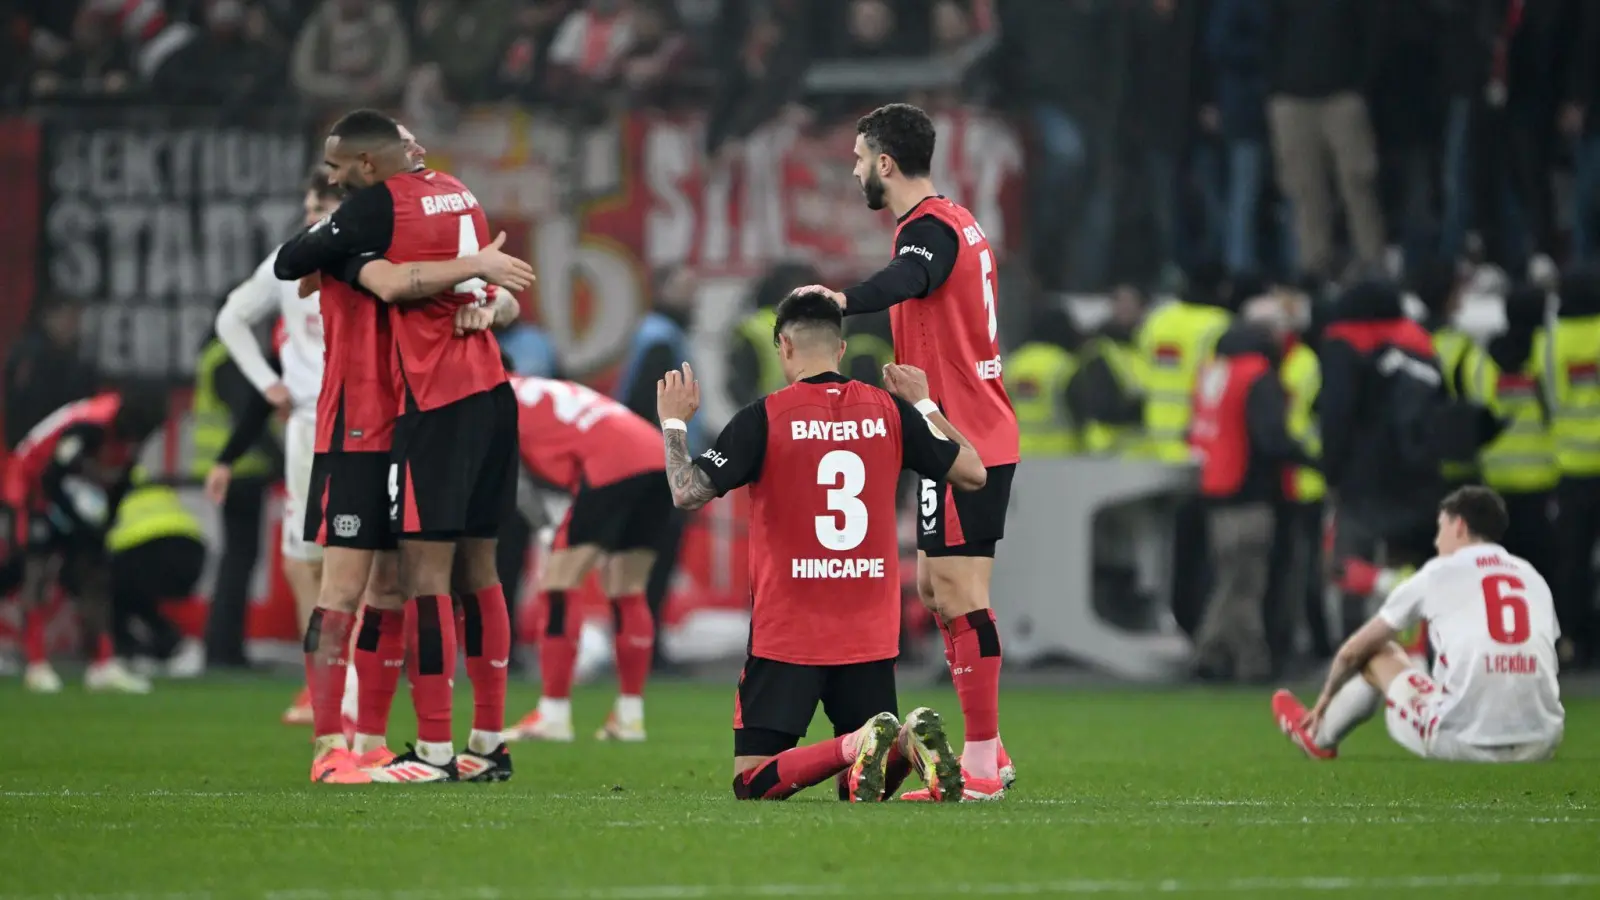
x,y
19,222
152,216
597,211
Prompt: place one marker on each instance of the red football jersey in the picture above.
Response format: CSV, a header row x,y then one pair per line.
x,y
437,218
572,436
952,335
356,405
824,541
43,444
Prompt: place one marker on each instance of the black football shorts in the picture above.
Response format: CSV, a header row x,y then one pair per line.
x,y
775,701
454,469
964,523
630,514
348,503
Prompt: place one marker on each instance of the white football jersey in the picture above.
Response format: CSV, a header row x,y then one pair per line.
x,y
253,302
1493,627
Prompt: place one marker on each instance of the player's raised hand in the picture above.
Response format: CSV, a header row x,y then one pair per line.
x,y
217,482
310,284
909,383
677,395
833,295
498,267
473,318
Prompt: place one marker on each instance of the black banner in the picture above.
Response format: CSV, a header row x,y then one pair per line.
x,y
152,222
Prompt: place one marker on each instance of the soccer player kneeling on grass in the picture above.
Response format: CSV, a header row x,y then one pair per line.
x,y
822,458
1493,695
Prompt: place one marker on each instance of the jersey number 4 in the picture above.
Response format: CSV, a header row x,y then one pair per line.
x,y
468,245
1507,611
845,525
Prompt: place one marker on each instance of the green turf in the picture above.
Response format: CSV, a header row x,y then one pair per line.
x,y
196,791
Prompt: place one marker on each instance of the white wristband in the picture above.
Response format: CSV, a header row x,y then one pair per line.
x,y
926,406
674,425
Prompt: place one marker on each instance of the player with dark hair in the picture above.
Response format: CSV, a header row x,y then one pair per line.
x,y
1493,695
404,392
608,459
62,485
823,458
940,292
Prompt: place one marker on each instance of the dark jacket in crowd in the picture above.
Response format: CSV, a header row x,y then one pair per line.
x,y
1159,100
1236,44
1058,53
1265,419
1512,348
1381,389
1095,394
1320,48
41,377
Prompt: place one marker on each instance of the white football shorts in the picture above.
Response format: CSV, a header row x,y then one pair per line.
x,y
1412,711
299,446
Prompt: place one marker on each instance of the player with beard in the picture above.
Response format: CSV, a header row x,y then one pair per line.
x,y
940,292
410,237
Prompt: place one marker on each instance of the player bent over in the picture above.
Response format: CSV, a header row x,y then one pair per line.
x,y
609,459
822,458
1493,695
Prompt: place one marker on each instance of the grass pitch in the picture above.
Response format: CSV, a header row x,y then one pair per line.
x,y
197,792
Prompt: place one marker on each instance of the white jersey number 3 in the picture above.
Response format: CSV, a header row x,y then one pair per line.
x,y
845,526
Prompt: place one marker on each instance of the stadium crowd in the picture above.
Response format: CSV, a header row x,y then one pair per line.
x,y
1277,188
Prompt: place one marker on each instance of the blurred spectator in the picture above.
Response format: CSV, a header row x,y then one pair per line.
x,y
650,67
352,53
1580,124
522,68
237,61
753,367
1038,373
1568,359
1407,115
1054,59
95,63
1242,433
1465,50
765,74
44,370
531,351
587,52
1323,56
1105,397
1161,108
460,44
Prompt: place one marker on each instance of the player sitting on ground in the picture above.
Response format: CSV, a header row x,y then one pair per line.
x,y
823,458
609,460
1493,696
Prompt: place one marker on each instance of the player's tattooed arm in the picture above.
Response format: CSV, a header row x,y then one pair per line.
x,y
691,486
410,281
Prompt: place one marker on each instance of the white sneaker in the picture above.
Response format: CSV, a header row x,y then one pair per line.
x,y
114,677
536,727
618,729
188,661
41,678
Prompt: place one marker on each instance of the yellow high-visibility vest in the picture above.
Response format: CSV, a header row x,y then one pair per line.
x,y
1173,343
1457,353
1105,438
149,512
1037,375
1523,458
1302,380
756,329
213,421
1568,365
870,347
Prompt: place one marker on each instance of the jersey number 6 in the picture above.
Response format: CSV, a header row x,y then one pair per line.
x,y
1508,612
845,525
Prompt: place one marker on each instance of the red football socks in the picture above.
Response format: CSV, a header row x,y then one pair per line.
x,y
488,641
327,658
103,649
380,654
432,665
975,669
33,635
792,771
558,646
949,642
633,638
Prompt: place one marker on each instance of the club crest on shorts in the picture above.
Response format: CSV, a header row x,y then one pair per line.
x,y
346,526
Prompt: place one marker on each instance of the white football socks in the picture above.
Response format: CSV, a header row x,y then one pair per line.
x,y
629,709
553,710
483,743
350,706
1352,705
436,754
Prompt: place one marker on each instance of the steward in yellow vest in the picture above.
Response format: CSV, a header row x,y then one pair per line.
x,y
869,346
753,367
1438,284
1566,357
215,407
1106,396
1302,380
1037,376
1173,342
157,550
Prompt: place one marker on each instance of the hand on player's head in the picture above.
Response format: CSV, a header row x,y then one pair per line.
x,y
498,267
677,395
909,383
833,295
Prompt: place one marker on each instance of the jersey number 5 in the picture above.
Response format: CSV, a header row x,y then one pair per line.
x,y
987,261
845,525
1508,612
